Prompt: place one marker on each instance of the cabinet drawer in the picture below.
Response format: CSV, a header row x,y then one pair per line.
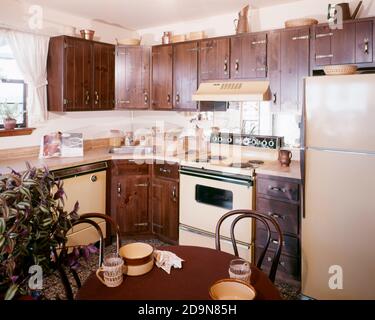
x,y
289,266
286,214
290,244
278,189
166,171
130,167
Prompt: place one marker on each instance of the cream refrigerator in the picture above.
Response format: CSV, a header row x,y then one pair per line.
x,y
338,222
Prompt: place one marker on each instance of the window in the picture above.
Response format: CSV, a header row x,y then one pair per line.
x,y
12,86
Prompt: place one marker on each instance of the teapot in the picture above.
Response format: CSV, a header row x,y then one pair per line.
x,y
242,23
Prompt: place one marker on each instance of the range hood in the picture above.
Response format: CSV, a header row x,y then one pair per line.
x,y
233,91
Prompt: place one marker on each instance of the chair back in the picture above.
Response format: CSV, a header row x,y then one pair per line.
x,y
269,223
86,219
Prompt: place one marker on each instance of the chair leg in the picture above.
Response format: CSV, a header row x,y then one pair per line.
x,y
66,283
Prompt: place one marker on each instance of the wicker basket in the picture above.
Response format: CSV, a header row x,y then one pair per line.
x,y
344,69
300,22
178,38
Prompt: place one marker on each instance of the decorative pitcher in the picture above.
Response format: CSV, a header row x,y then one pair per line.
x,y
242,23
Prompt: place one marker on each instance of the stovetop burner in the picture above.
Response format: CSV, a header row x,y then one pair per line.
x,y
211,158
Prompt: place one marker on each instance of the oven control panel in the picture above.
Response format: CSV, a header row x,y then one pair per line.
x,y
265,142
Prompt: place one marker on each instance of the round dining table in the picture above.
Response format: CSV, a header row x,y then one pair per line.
x,y
201,268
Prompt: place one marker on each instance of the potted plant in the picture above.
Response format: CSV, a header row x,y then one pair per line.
x,y
9,114
33,223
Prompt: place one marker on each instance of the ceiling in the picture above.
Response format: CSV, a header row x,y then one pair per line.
x,y
139,14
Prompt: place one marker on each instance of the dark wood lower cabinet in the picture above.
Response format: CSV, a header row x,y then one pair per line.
x,y
144,199
280,198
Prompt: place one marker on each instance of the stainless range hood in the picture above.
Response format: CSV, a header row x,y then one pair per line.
x,y
233,91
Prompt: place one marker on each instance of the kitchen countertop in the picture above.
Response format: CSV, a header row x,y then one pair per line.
x,y
102,154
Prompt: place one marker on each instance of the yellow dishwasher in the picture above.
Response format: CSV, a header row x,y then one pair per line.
x,y
87,185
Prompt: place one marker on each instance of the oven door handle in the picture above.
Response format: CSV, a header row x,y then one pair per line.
x,y
247,183
212,236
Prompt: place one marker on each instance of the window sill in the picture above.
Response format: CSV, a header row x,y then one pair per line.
x,y
16,132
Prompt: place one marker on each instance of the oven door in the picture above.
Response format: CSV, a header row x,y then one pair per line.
x,y
206,197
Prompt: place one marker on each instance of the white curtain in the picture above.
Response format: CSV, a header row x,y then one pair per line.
x,y
30,52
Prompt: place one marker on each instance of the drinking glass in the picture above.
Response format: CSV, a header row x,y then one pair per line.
x,y
240,269
112,270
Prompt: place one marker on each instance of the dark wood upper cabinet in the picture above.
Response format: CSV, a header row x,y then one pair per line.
x,y
80,75
104,76
274,67
364,42
132,77
353,44
288,63
162,77
214,59
249,56
185,75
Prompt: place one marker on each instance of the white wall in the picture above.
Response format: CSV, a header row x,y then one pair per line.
x,y
15,14
266,18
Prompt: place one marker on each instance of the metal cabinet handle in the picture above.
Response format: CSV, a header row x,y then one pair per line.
x,y
118,189
94,178
87,100
96,97
174,194
207,48
168,98
301,38
323,35
276,216
274,100
226,66
123,101
323,56
177,97
142,185
366,48
259,42
163,170
259,69
272,188
237,65
146,97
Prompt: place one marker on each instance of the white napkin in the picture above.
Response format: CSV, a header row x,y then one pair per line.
x,y
166,260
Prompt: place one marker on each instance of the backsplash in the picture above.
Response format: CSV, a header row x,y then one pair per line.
x,y
94,125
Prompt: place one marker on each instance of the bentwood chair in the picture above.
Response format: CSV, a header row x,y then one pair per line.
x,y
59,257
268,222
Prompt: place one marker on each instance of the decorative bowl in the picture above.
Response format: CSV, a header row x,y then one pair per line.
x,y
232,289
138,258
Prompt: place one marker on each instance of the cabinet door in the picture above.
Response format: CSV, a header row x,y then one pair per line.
x,y
78,75
249,56
132,204
343,44
294,64
185,75
364,42
165,209
214,59
104,76
132,77
322,45
274,67
162,78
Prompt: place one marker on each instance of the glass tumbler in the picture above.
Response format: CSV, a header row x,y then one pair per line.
x,y
240,269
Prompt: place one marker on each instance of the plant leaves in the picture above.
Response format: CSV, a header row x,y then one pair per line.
x,y
2,226
12,290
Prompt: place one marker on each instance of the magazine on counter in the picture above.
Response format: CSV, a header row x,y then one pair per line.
x,y
58,144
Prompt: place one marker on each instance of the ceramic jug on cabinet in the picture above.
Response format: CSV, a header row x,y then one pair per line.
x,y
242,23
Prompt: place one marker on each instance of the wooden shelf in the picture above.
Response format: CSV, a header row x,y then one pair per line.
x,y
16,132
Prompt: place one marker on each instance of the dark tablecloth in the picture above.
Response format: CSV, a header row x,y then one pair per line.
x,y
201,268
